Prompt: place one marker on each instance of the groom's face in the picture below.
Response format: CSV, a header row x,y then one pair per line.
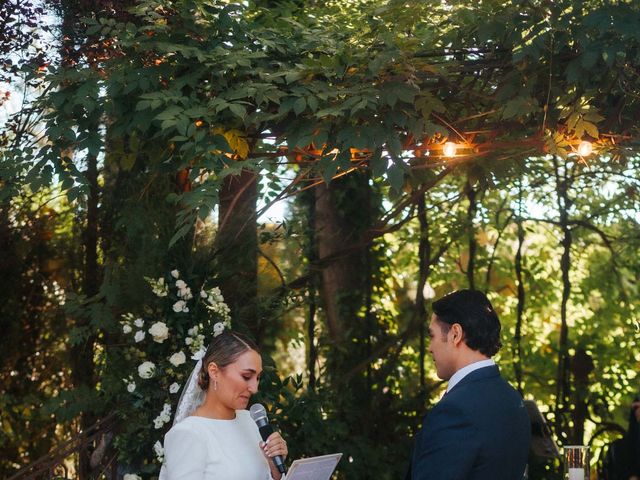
x,y
441,348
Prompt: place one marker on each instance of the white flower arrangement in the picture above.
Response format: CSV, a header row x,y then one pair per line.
x,y
177,359
146,369
159,451
159,287
218,328
180,306
159,331
164,417
194,340
215,295
215,302
165,321
131,476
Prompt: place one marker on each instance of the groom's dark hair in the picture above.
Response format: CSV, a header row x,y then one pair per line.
x,y
473,311
223,351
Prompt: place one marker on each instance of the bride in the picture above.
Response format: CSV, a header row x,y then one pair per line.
x,y
213,436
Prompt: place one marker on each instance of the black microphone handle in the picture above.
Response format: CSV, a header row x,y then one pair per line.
x,y
266,430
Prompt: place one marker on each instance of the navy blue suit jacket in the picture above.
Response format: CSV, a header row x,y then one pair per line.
x,y
480,430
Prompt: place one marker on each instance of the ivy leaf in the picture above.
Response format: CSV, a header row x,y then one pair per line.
x,y
299,105
328,168
591,129
518,107
313,103
181,232
395,176
589,59
238,110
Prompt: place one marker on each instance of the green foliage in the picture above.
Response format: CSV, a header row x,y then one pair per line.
x,y
188,93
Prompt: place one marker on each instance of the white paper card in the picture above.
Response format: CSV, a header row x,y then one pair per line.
x,y
314,468
576,473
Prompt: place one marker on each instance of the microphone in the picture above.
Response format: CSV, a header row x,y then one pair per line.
x,y
259,415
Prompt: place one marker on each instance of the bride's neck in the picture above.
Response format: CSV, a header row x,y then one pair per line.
x,y
213,408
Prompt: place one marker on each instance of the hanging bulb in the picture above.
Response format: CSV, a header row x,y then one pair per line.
x,y
449,149
585,148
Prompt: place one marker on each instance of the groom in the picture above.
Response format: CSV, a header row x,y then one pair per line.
x,y
480,429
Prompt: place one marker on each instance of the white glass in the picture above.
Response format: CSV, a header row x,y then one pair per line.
x,y
576,462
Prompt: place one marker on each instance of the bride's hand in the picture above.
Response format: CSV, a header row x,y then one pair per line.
x,y
275,445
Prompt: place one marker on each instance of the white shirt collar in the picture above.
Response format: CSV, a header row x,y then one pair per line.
x,y
464,371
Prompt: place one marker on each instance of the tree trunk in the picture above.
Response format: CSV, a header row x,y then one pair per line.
x,y
312,257
342,219
342,276
581,366
517,357
471,215
562,378
424,259
82,365
237,245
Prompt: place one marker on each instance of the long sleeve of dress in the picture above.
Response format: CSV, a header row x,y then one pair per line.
x,y
185,455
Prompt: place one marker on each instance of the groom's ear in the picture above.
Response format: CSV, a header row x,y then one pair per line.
x,y
456,333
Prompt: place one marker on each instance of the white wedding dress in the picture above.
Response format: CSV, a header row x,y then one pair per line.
x,y
199,448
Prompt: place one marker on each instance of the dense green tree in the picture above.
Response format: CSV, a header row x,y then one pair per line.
x,y
157,119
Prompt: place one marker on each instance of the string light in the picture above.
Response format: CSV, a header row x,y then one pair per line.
x,y
449,149
585,148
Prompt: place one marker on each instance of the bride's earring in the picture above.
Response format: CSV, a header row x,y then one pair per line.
x,y
215,385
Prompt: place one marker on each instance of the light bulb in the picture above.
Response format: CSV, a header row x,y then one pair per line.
x,y
449,149
585,148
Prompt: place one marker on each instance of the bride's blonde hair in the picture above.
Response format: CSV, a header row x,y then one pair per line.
x,y
224,350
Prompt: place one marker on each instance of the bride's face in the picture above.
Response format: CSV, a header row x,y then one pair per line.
x,y
239,380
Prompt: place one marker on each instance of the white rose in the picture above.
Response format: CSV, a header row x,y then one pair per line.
x,y
218,328
177,359
188,340
159,332
131,387
139,336
174,387
138,322
127,328
175,273
203,294
181,284
146,369
179,306
131,476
